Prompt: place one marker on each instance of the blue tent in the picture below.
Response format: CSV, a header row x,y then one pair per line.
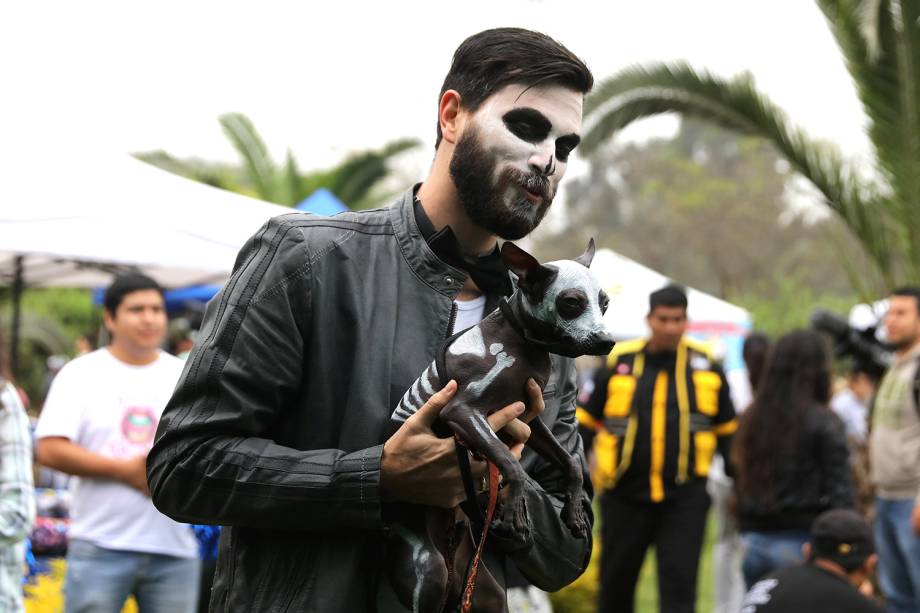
x,y
322,202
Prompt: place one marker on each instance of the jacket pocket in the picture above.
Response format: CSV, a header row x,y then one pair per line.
x,y
707,385
620,390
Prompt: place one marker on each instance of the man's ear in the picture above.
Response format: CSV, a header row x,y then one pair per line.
x,y
585,258
449,116
533,277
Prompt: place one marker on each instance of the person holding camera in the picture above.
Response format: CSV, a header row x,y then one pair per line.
x,y
894,456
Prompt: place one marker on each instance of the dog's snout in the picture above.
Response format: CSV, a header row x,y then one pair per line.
x,y
603,344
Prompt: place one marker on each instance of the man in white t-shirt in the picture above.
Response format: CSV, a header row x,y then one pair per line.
x,y
98,424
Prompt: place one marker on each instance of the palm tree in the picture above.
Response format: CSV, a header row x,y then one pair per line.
x,y
355,181
879,42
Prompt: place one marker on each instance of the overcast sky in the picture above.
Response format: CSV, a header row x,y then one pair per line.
x,y
328,78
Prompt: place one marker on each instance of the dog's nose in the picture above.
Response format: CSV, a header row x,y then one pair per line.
x,y
603,344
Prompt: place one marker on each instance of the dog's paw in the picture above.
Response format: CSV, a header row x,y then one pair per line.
x,y
511,521
573,516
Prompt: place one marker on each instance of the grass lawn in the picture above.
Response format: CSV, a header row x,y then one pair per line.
x,y
581,596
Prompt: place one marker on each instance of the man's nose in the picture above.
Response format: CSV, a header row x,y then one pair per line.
x,y
543,160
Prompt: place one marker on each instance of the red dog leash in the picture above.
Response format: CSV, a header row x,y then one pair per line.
x,y
490,512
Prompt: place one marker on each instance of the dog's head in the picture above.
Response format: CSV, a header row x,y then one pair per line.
x,y
564,303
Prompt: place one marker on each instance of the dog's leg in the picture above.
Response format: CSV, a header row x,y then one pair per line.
x,y
473,429
547,447
416,566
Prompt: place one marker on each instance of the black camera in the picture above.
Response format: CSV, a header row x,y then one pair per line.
x,y
861,346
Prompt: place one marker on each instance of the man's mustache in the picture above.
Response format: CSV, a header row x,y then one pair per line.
x,y
533,182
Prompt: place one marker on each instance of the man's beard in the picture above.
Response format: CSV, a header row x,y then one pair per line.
x,y
484,197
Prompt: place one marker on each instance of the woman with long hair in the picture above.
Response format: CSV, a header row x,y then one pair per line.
x,y
790,453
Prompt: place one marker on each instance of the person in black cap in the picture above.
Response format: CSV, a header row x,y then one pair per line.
x,y
840,558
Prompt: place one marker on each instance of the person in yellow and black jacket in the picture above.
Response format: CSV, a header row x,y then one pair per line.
x,y
660,409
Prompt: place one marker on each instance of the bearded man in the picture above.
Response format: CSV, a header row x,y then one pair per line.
x,y
280,426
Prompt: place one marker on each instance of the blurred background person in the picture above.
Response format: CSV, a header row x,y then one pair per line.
x,y
662,406
839,561
17,493
98,424
894,457
851,404
728,583
790,454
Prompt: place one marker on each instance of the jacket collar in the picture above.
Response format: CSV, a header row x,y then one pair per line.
x,y
439,275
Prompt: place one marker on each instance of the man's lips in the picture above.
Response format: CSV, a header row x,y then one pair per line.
x,y
534,196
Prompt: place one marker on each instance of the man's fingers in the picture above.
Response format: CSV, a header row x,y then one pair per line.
x,y
516,450
428,414
502,417
535,404
517,431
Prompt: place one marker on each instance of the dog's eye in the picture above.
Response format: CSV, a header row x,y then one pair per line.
x,y
603,301
571,304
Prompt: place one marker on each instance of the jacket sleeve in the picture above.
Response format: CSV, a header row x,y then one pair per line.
x,y
551,557
834,460
214,460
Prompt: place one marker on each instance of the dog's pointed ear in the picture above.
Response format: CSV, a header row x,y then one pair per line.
x,y
585,258
533,277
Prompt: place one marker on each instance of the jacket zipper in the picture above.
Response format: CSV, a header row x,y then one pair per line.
x,y
452,320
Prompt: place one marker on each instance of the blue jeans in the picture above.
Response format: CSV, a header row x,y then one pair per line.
x,y
100,580
898,548
765,552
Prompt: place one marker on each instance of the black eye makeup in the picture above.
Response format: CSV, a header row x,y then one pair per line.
x,y
527,124
532,126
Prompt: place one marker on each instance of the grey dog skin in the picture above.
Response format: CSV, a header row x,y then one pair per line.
x,y
557,308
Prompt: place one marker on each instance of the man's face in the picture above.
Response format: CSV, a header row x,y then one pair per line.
x,y
668,325
139,321
512,154
902,321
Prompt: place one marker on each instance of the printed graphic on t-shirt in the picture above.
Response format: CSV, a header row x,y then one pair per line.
x,y
759,594
135,432
138,425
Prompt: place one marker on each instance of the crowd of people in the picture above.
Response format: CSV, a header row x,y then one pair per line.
x,y
277,426
795,455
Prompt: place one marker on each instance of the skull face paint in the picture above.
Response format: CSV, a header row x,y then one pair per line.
x,y
509,160
577,291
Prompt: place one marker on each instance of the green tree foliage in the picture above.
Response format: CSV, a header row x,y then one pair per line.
x,y
708,208
879,42
356,181
52,319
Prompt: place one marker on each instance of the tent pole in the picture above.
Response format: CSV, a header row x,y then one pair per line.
x,y
18,284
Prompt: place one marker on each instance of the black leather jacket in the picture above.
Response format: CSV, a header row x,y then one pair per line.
x,y
814,478
277,426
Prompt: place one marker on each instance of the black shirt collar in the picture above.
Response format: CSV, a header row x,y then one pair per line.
x,y
488,271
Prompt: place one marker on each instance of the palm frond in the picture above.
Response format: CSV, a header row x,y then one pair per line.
x,y
247,142
736,104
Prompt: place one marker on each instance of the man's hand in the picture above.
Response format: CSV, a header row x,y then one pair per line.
x,y
419,467
915,518
133,472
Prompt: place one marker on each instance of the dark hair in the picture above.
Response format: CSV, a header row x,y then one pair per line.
x,y
908,290
486,62
796,380
125,284
754,353
668,296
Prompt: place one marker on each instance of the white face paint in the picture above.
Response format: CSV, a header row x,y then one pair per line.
x,y
587,325
532,130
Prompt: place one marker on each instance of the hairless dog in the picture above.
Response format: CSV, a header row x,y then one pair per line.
x,y
558,308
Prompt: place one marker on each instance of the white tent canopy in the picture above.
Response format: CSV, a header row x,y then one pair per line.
x,y
76,223
628,284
